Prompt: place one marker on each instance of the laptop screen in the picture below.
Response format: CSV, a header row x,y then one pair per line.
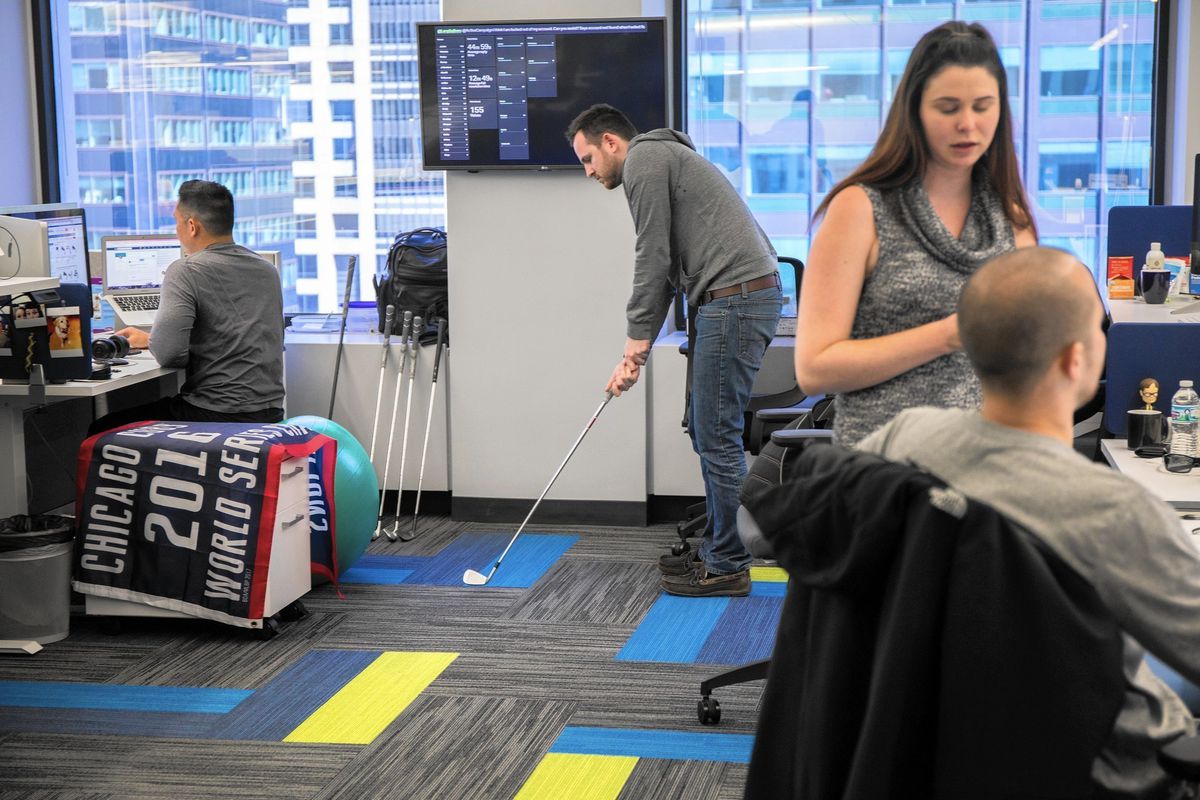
x,y
133,263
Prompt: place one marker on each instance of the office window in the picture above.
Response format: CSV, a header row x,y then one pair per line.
x,y
99,132
161,91
787,97
343,149
299,110
345,224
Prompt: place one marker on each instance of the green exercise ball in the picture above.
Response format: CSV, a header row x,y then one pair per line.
x,y
355,492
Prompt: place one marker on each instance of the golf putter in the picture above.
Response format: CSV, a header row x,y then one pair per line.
x,y
437,359
413,343
389,320
473,578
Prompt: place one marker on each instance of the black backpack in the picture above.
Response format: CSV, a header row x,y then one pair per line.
x,y
415,280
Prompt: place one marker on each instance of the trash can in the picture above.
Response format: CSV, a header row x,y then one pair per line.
x,y
35,578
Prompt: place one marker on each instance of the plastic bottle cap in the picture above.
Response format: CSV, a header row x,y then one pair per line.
x,y
1185,383
1156,245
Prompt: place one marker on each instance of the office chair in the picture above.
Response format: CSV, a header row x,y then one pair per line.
x,y
768,471
788,403
905,666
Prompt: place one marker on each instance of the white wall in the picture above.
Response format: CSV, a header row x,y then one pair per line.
x,y
18,130
543,264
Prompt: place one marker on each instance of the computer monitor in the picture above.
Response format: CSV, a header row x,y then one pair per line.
x,y
66,228
24,249
138,262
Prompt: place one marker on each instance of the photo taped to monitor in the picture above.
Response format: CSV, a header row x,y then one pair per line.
x,y
63,326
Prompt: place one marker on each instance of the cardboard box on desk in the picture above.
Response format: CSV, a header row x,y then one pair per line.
x,y
1120,278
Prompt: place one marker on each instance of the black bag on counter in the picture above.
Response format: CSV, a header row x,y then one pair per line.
x,y
415,281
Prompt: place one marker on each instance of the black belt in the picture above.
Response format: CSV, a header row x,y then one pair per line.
x,y
765,282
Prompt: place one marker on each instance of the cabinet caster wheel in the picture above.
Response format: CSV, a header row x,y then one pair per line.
x,y
679,548
708,710
293,612
269,630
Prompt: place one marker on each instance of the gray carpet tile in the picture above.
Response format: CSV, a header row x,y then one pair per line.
x,y
580,590
531,661
53,794
452,747
656,779
136,768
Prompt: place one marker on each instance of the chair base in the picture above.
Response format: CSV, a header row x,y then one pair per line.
x,y
708,709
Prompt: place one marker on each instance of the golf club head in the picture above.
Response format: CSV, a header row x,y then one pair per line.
x,y
473,578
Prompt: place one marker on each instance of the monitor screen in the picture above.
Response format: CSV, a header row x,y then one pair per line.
x,y
138,262
499,95
67,228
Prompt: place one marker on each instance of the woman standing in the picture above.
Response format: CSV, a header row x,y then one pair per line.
x,y
938,196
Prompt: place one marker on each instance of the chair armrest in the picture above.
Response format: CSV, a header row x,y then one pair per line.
x,y
1181,758
797,437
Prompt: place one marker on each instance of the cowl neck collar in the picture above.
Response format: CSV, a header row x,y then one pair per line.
x,y
986,233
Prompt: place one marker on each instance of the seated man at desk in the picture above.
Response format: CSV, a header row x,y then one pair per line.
x,y
1030,324
220,318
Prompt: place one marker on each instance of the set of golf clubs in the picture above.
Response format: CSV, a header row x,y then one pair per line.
x,y
410,333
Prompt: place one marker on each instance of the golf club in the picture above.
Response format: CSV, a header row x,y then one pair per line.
x,y
437,358
389,320
473,578
387,461
414,339
337,362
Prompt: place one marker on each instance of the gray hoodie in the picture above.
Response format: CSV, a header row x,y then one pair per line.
x,y
693,229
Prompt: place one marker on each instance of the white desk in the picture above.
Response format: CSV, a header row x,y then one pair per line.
x,y
1179,491
14,399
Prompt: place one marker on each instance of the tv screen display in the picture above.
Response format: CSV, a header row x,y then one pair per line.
x,y
498,95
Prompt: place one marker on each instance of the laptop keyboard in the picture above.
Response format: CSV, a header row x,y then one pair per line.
x,y
137,302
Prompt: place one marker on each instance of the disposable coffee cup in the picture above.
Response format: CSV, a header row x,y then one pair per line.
x,y
1144,427
1155,285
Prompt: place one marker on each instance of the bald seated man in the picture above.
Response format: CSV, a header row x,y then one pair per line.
x,y
1030,324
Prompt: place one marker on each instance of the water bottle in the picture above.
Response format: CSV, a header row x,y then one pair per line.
x,y
1185,419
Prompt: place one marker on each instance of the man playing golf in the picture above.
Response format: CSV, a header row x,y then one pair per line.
x,y
696,233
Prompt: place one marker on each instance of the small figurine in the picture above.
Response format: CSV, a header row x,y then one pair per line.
x,y
1148,391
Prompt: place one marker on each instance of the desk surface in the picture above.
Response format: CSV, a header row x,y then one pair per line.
x,y
1140,311
141,367
1179,491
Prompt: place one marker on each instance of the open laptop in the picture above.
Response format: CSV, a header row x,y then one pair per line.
x,y
133,273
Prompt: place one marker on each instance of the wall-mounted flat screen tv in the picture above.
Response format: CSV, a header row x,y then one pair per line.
x,y
498,95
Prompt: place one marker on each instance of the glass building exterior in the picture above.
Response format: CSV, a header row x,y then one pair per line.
x,y
308,111
788,97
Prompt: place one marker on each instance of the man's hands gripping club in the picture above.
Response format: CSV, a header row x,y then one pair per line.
x,y
629,369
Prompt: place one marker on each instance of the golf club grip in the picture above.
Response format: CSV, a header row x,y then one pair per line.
x,y
349,285
417,328
441,340
405,326
389,320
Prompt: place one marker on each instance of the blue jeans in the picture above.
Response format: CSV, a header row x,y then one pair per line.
x,y
732,334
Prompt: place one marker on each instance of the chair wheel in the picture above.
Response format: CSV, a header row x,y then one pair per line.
x,y
269,630
708,710
679,548
293,611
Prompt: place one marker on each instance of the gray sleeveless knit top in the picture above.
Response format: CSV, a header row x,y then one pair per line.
x,y
917,280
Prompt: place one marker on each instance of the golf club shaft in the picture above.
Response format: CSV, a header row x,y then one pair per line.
x,y
387,462
608,396
337,362
389,320
437,360
413,355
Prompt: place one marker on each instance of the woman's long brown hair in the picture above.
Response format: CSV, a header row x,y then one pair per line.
x,y
901,153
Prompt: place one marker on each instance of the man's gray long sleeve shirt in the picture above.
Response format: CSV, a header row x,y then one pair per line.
x,y
220,318
693,229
